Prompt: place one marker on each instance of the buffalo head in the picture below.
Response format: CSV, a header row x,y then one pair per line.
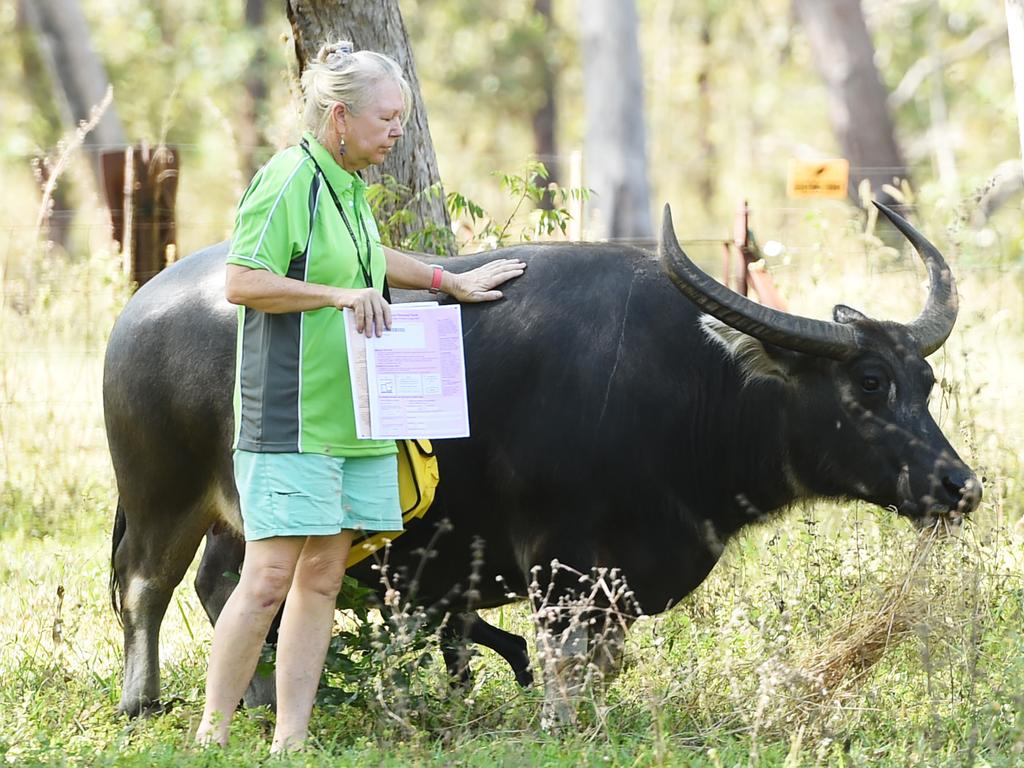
x,y
854,391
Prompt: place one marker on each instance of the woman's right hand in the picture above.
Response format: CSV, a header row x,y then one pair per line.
x,y
372,313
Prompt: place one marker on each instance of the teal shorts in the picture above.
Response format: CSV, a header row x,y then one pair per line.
x,y
310,494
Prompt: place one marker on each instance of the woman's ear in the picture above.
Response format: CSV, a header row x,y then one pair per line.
x,y
338,114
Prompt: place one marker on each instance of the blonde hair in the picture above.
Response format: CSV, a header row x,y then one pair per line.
x,y
340,74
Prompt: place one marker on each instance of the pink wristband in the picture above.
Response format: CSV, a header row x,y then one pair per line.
x,y
435,281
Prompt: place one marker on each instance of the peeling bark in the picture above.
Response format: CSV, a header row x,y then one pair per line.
x,y
377,25
615,154
858,102
68,54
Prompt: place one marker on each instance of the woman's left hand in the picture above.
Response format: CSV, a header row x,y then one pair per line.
x,y
479,284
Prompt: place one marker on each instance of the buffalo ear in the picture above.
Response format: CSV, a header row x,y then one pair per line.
x,y
844,314
755,359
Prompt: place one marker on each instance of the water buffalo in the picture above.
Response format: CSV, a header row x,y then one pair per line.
x,y
621,417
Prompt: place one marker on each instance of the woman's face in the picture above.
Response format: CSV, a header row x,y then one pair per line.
x,y
371,134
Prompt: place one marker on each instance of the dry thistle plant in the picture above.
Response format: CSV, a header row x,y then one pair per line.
x,y
383,659
580,636
67,147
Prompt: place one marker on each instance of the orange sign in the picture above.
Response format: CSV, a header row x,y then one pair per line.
x,y
821,178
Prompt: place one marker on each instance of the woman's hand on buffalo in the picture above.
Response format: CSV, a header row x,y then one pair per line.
x,y
479,284
372,313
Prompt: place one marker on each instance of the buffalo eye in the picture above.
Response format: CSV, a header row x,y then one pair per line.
x,y
870,382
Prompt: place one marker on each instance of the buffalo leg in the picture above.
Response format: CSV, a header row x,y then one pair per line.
x,y
215,581
471,627
149,560
562,639
455,651
580,631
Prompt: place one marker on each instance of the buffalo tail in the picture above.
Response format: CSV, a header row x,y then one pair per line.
x,y
120,524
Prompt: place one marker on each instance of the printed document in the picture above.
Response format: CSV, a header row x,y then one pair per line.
x,y
411,381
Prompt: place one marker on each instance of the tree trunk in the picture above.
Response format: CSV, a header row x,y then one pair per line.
x,y
77,71
40,92
615,156
1015,30
706,166
545,118
941,133
376,25
254,98
844,55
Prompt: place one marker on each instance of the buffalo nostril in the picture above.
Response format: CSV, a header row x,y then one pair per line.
x,y
955,488
966,491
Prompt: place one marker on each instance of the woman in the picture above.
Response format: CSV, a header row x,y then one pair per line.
x,y
304,247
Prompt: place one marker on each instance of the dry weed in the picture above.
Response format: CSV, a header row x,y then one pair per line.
x,y
861,641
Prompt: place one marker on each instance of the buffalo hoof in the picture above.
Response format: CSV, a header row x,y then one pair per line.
x,y
521,663
139,708
524,677
262,692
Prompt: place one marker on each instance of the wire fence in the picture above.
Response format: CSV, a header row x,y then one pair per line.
x,y
80,291
56,312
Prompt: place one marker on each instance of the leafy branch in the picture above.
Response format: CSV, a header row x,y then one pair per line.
x,y
485,232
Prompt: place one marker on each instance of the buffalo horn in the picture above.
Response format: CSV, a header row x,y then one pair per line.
x,y
801,334
935,323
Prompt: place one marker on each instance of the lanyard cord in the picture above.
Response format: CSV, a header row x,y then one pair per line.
x,y
363,267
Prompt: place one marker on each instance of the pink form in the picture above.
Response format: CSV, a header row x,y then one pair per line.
x,y
417,375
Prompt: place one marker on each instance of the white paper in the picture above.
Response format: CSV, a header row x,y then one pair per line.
x,y
356,343
411,381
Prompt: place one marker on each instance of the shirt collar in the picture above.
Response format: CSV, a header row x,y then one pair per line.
x,y
340,179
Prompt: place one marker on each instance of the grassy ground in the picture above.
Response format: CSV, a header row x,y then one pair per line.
x,y
733,676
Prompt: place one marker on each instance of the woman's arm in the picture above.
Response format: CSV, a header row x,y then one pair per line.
x,y
267,292
476,285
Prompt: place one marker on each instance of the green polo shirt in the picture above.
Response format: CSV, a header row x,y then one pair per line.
x,y
292,387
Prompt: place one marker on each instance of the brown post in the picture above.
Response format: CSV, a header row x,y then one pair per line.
x,y
749,252
741,238
726,263
759,279
141,185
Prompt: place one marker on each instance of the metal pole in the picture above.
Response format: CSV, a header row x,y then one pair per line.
x,y
575,228
1015,29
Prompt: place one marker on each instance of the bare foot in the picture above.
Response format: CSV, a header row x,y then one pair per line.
x,y
295,742
211,733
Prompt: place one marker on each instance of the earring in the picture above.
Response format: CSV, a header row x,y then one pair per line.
x,y
341,146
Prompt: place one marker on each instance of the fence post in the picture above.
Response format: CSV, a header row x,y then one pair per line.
x,y
141,185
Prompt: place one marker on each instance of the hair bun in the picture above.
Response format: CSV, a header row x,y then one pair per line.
x,y
334,55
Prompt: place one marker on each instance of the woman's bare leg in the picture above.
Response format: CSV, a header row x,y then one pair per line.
x,y
242,627
305,633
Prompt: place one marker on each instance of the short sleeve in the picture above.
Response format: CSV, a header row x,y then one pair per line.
x,y
371,227
272,221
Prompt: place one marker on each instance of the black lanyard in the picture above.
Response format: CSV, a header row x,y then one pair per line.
x,y
363,267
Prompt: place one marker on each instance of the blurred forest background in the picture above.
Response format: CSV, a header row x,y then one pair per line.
x,y
698,104
730,93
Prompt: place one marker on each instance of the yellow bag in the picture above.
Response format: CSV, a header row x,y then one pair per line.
x,y
418,476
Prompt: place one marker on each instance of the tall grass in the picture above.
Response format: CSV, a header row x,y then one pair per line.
x,y
732,676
